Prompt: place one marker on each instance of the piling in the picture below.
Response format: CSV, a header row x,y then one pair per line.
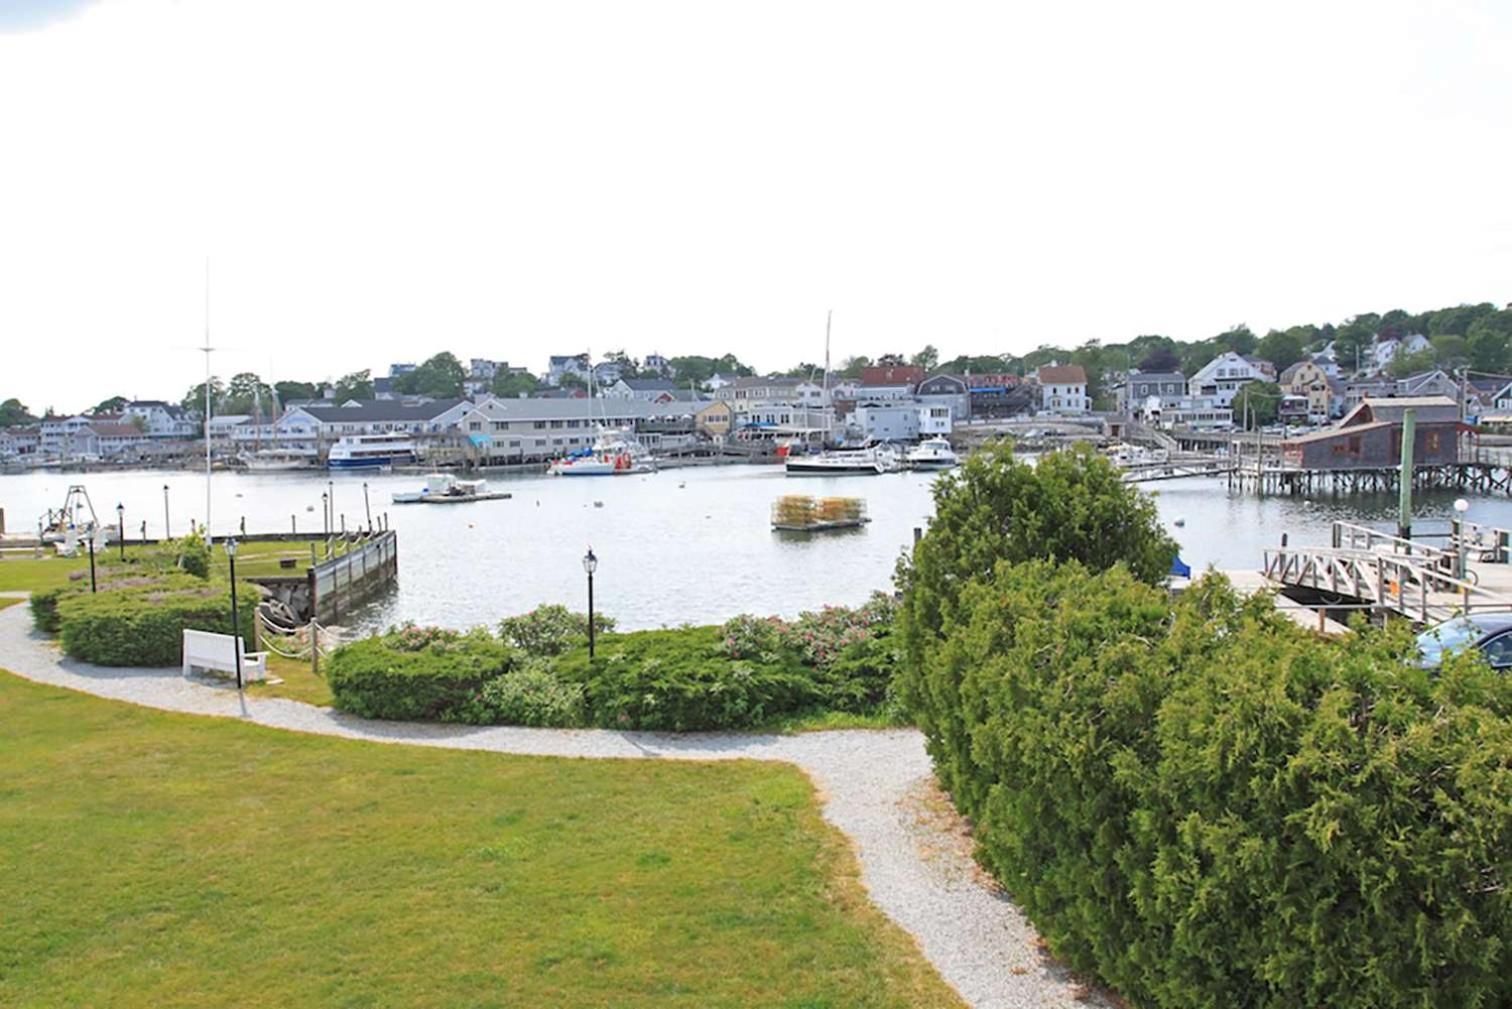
x,y
1404,502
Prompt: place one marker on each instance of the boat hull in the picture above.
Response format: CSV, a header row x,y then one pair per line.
x,y
798,468
370,462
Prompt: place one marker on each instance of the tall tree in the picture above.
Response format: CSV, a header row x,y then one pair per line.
x,y
928,358
109,406
439,377
1281,347
852,367
1263,400
194,399
1354,341
246,392
1489,341
511,385
13,412
1240,339
296,390
357,385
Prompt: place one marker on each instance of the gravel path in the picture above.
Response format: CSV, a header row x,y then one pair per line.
x,y
876,786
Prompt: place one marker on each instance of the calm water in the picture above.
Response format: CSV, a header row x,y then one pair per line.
x,y
681,546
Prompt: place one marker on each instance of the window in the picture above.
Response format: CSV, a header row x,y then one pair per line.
x,y
556,423
540,425
475,425
574,423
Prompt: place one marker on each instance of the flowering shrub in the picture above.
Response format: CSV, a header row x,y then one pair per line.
x,y
816,638
748,637
411,637
530,695
550,629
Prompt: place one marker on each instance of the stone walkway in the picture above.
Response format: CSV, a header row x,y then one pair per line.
x,y
875,787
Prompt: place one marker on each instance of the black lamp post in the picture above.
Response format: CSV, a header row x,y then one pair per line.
x,y
121,528
590,565
90,540
235,613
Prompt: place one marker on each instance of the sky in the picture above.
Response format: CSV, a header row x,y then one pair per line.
x,y
374,182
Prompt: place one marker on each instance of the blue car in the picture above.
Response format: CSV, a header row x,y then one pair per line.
x,y
1488,633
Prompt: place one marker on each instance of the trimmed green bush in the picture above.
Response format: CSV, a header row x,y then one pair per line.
x,y
551,629
373,679
143,626
194,556
44,608
677,680
530,695
1205,805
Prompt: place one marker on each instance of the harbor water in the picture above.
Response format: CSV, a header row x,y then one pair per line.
x,y
684,546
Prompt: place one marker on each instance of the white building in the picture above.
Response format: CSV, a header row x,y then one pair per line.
x,y
1197,413
935,419
889,420
1063,389
560,365
651,390
1384,351
162,420
1222,377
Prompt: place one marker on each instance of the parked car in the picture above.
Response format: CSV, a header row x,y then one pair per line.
x,y
1488,633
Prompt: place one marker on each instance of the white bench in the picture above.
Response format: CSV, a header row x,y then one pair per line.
x,y
217,653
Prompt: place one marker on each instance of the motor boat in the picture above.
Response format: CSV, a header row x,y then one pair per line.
x,y
932,453
613,454
371,451
279,460
445,487
870,461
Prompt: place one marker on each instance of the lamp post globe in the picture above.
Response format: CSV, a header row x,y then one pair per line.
x,y
590,565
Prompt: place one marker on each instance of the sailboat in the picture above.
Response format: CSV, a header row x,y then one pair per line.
x,y
613,453
869,461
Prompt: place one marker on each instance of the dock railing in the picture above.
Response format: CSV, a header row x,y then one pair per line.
x,y
1349,536
1407,586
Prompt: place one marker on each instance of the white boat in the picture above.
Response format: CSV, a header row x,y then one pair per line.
x,y
932,453
371,451
871,461
614,453
445,487
279,460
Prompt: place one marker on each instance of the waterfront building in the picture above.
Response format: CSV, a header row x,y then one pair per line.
x,y
1145,393
161,420
1370,436
501,431
318,427
652,390
560,365
1198,413
949,391
886,420
714,418
1222,377
20,442
1324,394
1435,382
1063,389
935,420
1000,395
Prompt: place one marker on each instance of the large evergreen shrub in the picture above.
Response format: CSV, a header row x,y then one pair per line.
x,y
1205,805
1071,505
144,626
376,678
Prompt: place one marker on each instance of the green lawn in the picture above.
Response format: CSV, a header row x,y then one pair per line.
x,y
32,574
160,860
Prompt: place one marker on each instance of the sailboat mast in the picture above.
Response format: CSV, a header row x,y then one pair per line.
x,y
209,538
825,403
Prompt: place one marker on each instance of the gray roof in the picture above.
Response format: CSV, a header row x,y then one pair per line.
x,y
649,384
380,410
756,382
583,409
1157,376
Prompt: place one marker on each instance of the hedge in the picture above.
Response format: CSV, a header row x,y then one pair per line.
x,y
44,609
677,681
374,679
1206,806
144,626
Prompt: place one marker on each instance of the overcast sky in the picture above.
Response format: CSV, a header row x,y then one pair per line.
x,y
380,181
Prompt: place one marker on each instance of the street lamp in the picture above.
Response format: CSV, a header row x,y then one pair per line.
x,y
90,538
590,565
1461,506
121,528
236,643
166,534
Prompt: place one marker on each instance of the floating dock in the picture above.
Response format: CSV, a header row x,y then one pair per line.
x,y
801,513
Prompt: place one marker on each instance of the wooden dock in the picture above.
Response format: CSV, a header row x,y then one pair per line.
x,y
1367,569
1177,469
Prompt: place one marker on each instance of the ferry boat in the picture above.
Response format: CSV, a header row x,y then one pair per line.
x,y
612,454
871,461
932,453
371,451
279,460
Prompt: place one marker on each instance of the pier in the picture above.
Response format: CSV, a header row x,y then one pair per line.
x,y
1366,569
